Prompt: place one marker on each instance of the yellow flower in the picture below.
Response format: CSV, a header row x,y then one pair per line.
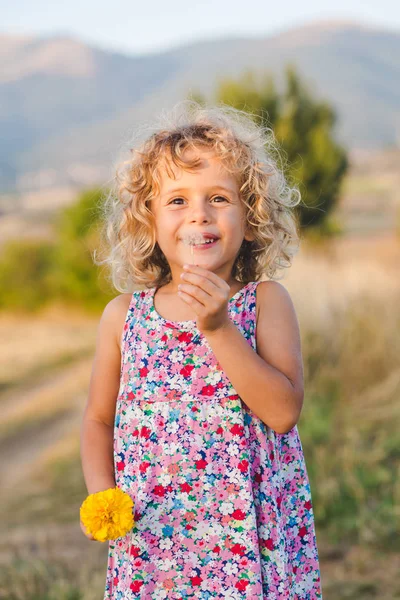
x,y
107,515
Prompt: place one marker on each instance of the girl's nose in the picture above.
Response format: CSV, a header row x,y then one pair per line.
x,y
200,213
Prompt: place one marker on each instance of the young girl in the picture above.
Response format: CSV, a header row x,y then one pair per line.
x,y
197,383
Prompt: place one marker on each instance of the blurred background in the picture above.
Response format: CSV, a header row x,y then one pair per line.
x,y
76,81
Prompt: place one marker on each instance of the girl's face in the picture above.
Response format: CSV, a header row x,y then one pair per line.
x,y
204,201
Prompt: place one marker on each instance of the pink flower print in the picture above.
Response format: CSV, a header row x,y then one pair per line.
x,y
300,511
230,581
136,585
227,542
159,421
202,372
134,551
173,469
143,372
238,549
168,584
159,490
219,469
197,385
208,390
145,432
268,543
196,580
239,503
185,337
242,584
288,457
185,487
189,542
258,478
238,514
296,544
237,430
243,466
231,488
232,462
173,395
307,567
200,464
215,585
276,577
186,371
144,466
164,519
187,568
303,531
189,516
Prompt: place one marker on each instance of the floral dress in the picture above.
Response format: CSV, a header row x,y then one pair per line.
x,y
222,503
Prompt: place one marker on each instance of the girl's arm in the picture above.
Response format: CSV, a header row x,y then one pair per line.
x,y
97,432
269,381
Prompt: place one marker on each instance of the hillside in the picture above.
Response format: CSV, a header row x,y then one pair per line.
x,y
67,108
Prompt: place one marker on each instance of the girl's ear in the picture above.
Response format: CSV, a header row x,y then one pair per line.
x,y
249,235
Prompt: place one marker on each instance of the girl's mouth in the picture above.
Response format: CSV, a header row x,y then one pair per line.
x,y
208,244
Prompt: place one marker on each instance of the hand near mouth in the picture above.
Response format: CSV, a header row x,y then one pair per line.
x,y
208,295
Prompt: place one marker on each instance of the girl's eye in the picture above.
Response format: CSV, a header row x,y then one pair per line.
x,y
225,200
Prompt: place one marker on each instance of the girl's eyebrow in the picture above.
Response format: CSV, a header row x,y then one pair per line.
x,y
214,187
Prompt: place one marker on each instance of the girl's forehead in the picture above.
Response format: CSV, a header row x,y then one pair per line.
x,y
209,161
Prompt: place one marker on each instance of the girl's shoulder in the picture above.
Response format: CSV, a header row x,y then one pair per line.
x,y
278,332
273,298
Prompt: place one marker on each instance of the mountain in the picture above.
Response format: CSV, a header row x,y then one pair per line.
x,y
68,109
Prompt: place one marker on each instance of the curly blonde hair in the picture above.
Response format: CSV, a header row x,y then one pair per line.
x,y
247,149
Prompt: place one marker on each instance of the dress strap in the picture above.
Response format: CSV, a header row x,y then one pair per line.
x,y
248,316
131,316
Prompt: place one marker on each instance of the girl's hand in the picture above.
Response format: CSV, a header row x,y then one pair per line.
x,y
208,295
88,535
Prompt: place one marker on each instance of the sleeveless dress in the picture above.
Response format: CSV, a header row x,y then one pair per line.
x,y
222,503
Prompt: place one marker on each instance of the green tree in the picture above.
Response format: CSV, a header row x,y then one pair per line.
x,y
35,272
25,268
303,127
75,278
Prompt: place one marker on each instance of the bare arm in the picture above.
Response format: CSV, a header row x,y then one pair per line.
x,y
269,381
97,431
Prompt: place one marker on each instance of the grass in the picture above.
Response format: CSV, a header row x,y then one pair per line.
x,y
36,373
37,347
40,579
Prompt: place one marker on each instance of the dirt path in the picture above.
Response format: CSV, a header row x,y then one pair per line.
x,y
60,402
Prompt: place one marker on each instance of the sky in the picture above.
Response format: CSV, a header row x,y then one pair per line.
x,y
147,27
